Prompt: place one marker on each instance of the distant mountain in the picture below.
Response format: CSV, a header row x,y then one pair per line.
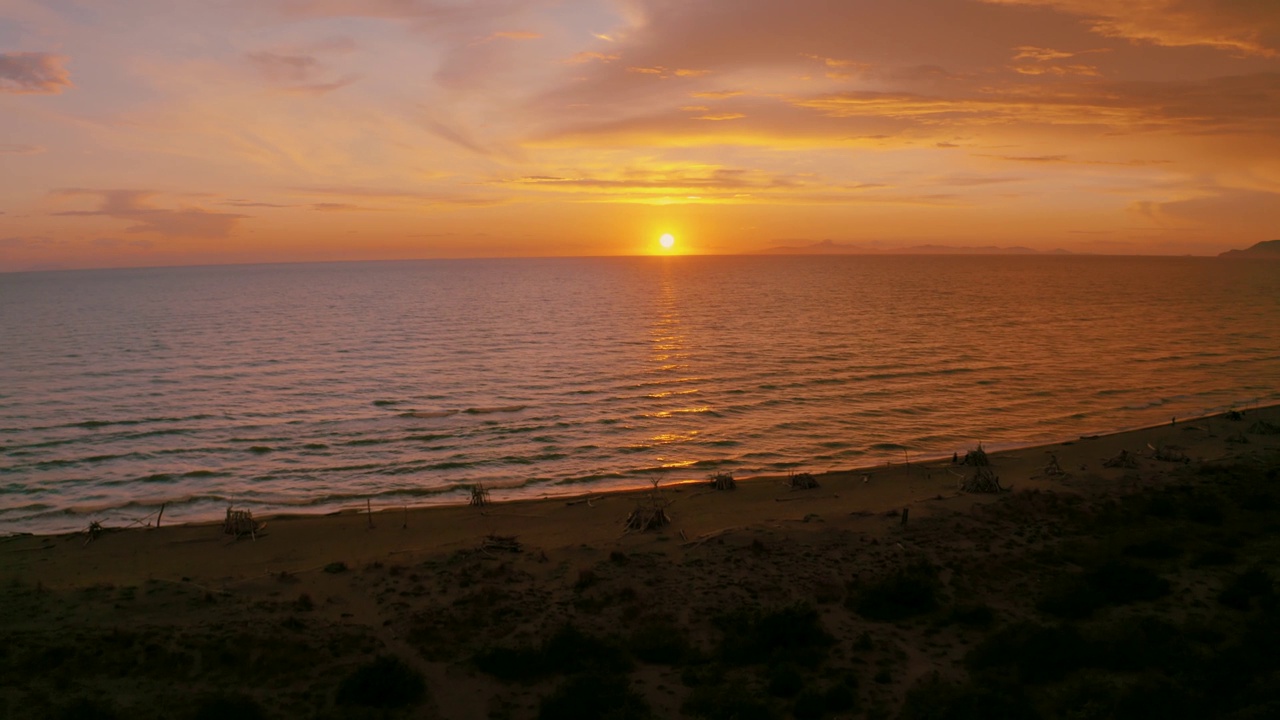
x,y
1266,249
829,247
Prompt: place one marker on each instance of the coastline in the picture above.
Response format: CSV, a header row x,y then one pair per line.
x,y
314,598
138,553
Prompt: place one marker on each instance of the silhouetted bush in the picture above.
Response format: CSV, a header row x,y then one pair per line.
x,y
1112,583
1033,653
792,633
592,696
1214,557
1243,588
934,699
566,652
979,615
728,702
661,642
911,591
387,682
1153,549
785,680
87,709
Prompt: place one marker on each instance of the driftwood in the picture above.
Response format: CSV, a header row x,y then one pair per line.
x,y
1169,453
504,543
1262,427
723,481
976,457
479,496
802,481
240,523
647,517
984,480
1125,459
95,529
1053,469
650,513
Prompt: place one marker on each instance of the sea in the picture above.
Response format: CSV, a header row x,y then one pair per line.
x,y
312,388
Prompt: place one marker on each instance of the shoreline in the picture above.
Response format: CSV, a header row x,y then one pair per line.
x,y
139,553
575,494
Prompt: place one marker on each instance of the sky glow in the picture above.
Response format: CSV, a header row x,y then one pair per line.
x,y
149,132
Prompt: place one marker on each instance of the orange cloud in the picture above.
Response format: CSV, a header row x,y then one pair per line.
x,y
590,56
1247,27
28,73
131,205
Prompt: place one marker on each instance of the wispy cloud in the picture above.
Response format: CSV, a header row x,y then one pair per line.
x,y
133,206
1251,27
20,149
296,73
33,73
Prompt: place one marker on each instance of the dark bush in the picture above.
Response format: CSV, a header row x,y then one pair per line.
x,y
785,680
660,642
567,652
792,634
86,709
570,650
1162,505
702,674
728,702
809,705
594,697
1243,588
1121,583
1136,644
387,682
1214,557
1153,549
1112,583
510,664
979,616
938,700
841,697
1206,510
1032,653
911,591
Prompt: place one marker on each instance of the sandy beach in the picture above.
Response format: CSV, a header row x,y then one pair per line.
x,y
882,592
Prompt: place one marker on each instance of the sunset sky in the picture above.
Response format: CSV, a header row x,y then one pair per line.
x,y
173,132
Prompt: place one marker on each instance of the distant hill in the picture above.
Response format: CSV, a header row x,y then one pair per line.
x,y
1265,249
828,247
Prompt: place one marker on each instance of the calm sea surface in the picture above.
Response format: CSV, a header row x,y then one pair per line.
x,y
310,388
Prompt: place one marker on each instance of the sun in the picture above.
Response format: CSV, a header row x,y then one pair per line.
x,y
667,241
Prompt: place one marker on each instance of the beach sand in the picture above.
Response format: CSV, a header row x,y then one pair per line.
x,y
763,601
